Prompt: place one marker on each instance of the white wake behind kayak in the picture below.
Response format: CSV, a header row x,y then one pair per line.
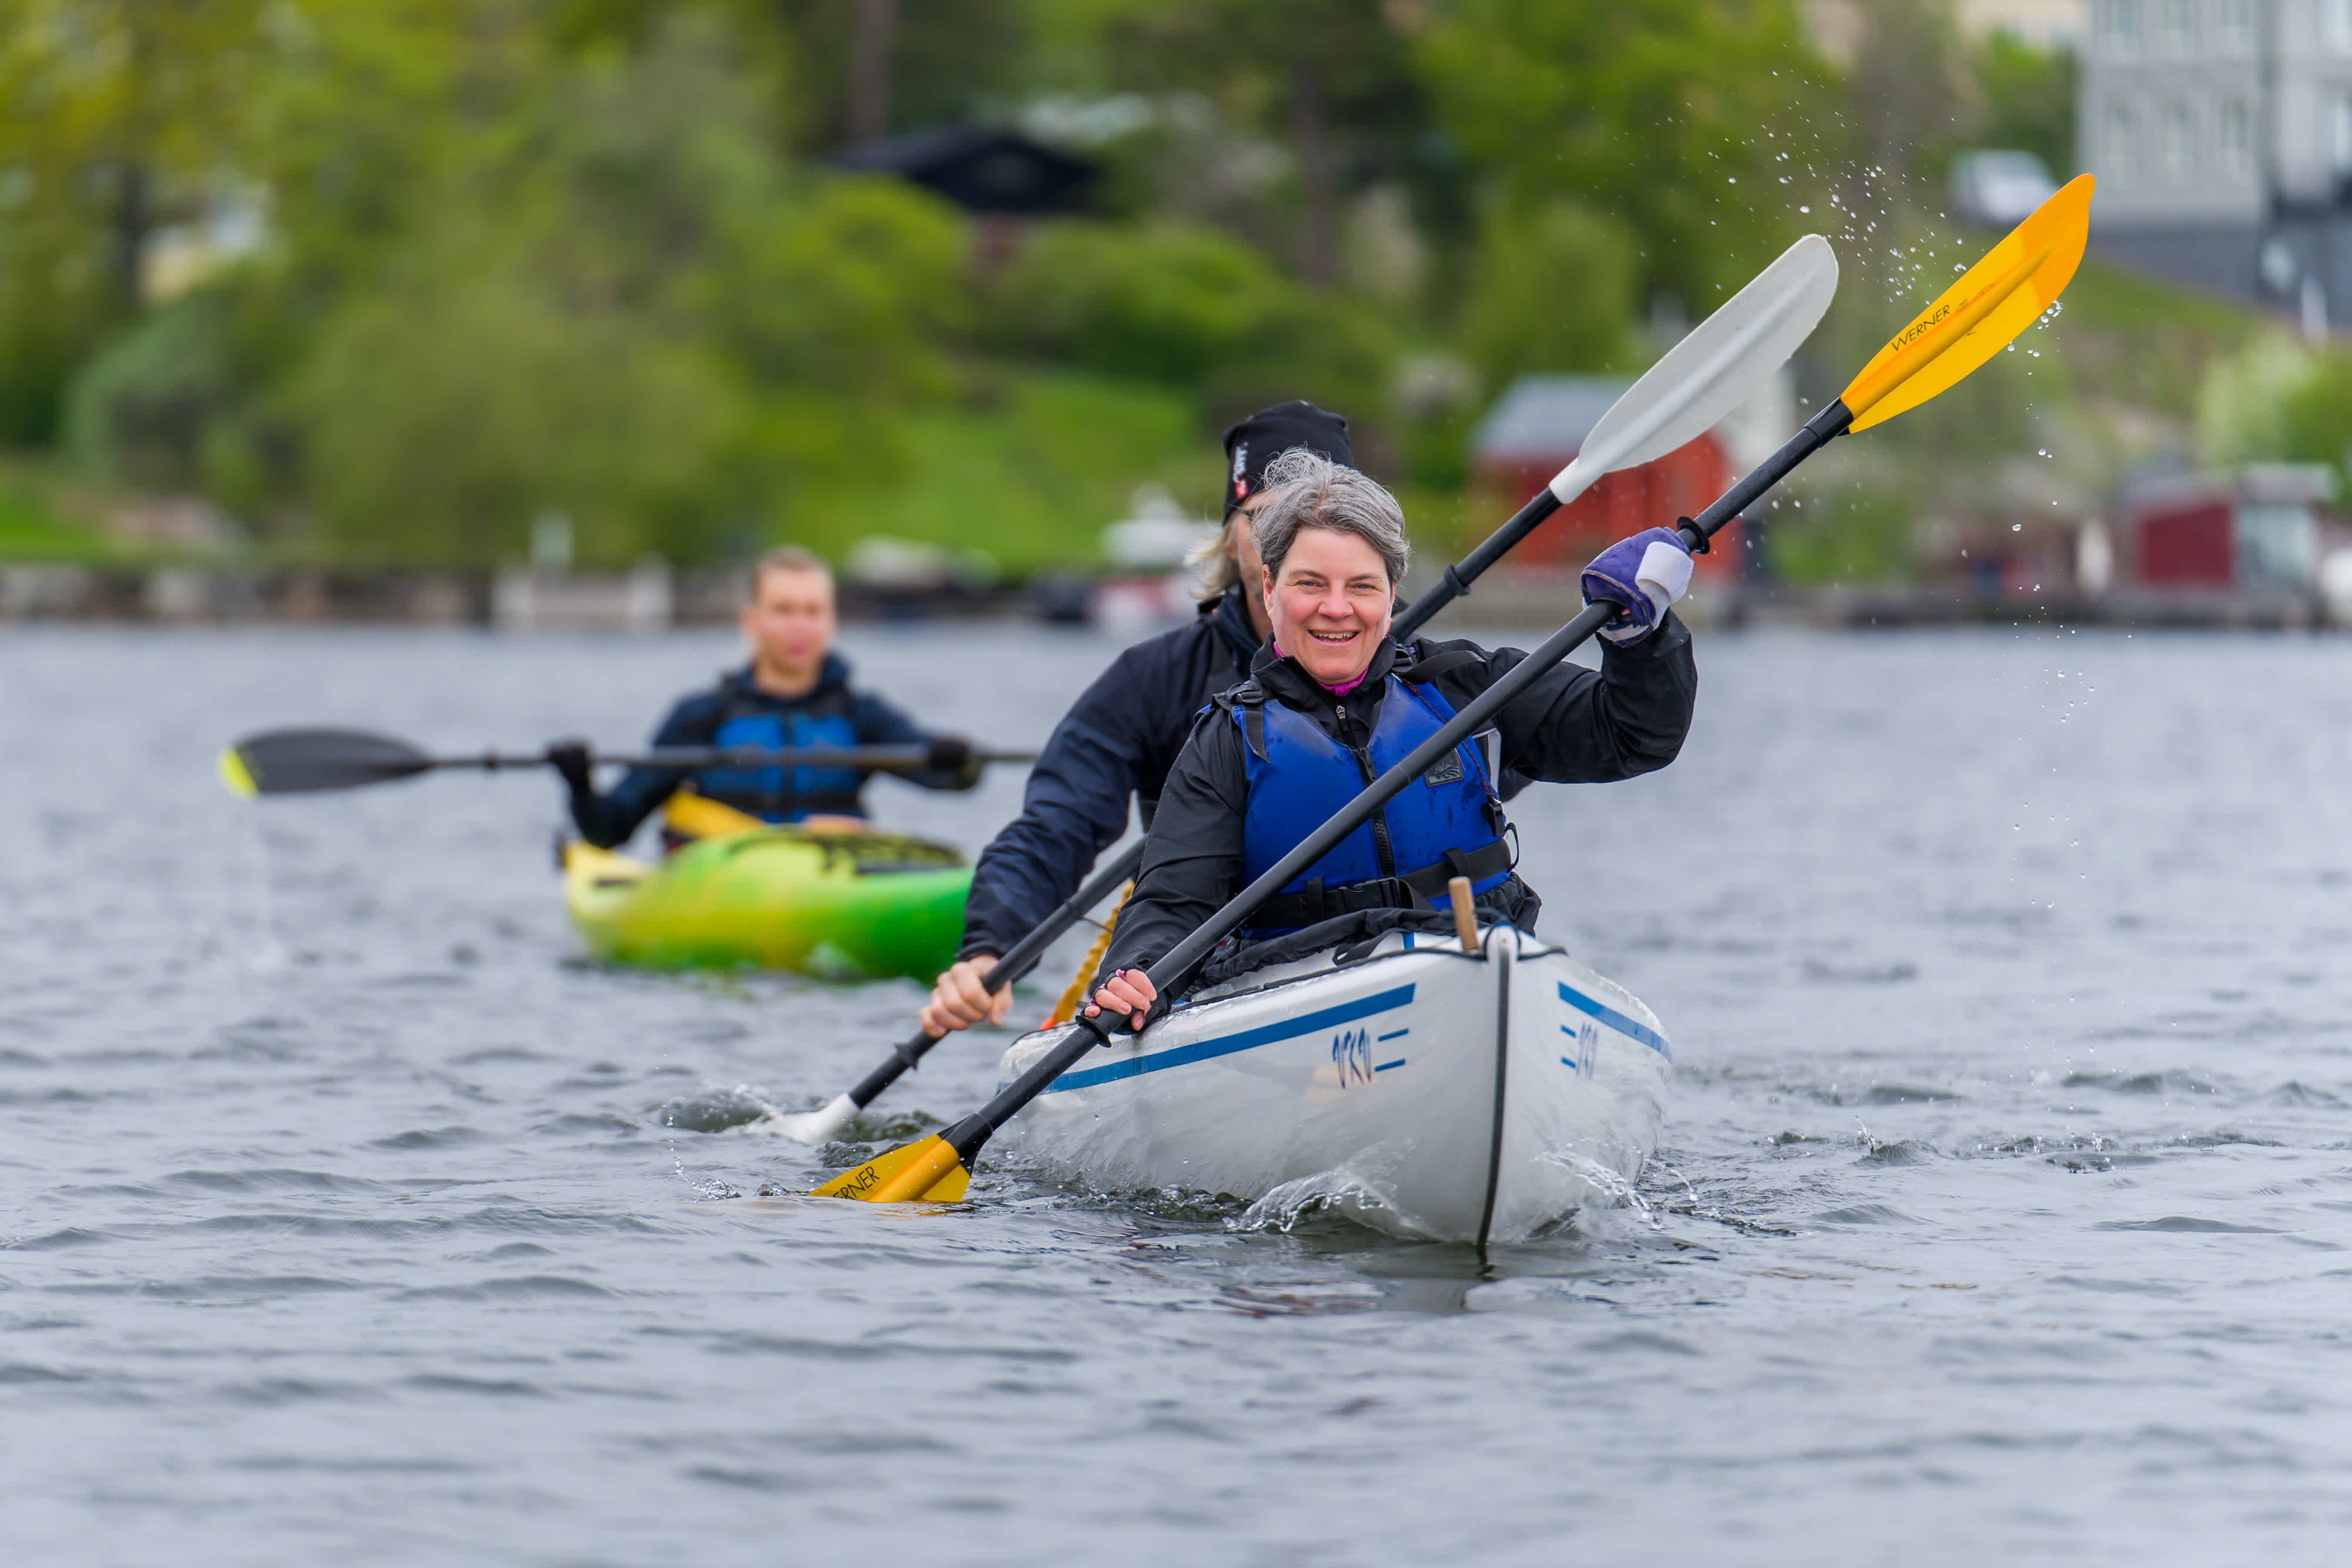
x,y
1430,1092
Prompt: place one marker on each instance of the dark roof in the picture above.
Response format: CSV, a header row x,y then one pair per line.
x,y
981,169
1545,417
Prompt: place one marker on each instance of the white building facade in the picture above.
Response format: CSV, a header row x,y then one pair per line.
x,y
2220,132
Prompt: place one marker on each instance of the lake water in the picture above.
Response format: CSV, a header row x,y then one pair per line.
x,y
2002,1213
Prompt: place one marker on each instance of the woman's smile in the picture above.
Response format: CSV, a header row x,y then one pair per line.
x,y
1331,605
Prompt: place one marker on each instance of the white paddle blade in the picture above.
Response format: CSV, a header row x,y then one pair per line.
x,y
811,1128
1725,359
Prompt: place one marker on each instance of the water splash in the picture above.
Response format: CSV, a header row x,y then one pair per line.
x,y
1340,1191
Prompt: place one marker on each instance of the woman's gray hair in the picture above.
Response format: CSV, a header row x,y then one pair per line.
x,y
1305,489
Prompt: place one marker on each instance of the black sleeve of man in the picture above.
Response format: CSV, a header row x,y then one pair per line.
x,y
1074,806
609,820
1575,725
1193,859
882,723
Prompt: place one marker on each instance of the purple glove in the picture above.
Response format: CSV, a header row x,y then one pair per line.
x,y
1642,576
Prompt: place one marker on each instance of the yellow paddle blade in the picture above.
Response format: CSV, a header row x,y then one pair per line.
x,y
698,816
237,776
925,1172
1979,316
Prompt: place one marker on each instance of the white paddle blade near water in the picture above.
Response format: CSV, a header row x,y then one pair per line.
x,y
1724,361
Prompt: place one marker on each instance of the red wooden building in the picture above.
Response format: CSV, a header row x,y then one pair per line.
x,y
1536,429
2249,527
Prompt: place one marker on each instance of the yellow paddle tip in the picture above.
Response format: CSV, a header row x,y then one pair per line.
x,y
929,1171
1981,313
236,775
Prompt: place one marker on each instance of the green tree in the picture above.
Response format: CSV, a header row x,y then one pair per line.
x,y
1330,81
1187,306
119,116
625,304
1552,289
2030,97
1913,98
1680,118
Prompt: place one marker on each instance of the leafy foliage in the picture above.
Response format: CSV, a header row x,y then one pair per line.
x,y
1647,110
2030,100
583,256
1552,289
1175,303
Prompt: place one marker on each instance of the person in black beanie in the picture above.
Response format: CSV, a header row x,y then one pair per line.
x,y
1251,445
1123,733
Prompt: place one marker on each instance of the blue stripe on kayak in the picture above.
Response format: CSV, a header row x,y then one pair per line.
x,y
1384,1066
1617,1021
1225,1045
1394,1034
1568,1061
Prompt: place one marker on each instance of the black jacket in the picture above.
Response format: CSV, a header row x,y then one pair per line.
x,y
610,817
1572,726
1118,739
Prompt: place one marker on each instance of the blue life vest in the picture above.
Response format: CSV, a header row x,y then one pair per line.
x,y
786,794
1445,824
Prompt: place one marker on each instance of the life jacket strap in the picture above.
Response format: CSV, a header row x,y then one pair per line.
x,y
1249,700
1410,890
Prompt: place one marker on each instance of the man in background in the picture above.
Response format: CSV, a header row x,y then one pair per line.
x,y
794,693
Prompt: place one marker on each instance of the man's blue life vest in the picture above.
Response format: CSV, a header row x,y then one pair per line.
x,y
786,794
1445,824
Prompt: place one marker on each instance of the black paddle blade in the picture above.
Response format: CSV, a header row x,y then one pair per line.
x,y
289,761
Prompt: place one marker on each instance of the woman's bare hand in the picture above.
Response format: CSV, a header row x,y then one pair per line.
x,y
1126,991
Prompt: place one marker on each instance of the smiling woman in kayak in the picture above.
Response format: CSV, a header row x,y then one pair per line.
x,y
1331,704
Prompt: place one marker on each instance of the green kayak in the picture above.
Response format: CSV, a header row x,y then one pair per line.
x,y
838,906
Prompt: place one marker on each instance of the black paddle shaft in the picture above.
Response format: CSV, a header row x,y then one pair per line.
x,y
1458,579
296,761
1022,957
968,1136
1822,427
868,758
1816,433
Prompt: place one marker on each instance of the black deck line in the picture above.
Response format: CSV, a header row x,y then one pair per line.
x,y
1502,1062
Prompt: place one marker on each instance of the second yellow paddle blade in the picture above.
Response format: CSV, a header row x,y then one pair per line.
x,y
925,1172
1920,361
700,816
237,776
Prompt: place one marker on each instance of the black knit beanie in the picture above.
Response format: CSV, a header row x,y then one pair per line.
x,y
1266,434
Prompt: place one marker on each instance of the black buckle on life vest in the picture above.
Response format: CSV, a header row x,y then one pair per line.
x,y
1249,699
1315,903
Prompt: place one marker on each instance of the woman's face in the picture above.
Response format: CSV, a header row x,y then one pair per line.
x,y
1330,604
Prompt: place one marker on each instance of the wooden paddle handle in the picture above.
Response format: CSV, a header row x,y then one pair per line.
x,y
1466,919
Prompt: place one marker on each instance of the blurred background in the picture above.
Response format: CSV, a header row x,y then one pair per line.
x,y
554,312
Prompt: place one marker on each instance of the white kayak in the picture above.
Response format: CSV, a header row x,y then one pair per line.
x,y
1473,1096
